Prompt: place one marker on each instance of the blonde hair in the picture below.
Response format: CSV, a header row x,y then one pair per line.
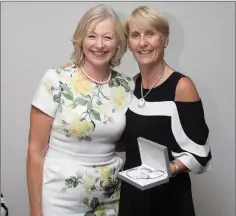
x,y
146,17
98,13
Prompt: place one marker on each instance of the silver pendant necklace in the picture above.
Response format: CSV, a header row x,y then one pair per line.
x,y
141,102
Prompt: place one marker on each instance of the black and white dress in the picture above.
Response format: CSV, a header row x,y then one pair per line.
x,y
181,127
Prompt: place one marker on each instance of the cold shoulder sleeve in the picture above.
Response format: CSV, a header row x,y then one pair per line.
x,y
47,96
192,136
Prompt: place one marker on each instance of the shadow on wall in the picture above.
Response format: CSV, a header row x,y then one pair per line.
x,y
176,42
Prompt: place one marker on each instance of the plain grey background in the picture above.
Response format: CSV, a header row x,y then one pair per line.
x,y
37,36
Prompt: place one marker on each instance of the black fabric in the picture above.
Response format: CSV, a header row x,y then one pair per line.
x,y
175,197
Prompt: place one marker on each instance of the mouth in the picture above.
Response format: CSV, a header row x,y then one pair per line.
x,y
99,54
145,52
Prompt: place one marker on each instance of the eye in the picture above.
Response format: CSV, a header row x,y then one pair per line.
x,y
135,35
150,33
91,36
108,37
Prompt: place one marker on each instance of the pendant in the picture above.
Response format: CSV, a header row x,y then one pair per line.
x,y
141,103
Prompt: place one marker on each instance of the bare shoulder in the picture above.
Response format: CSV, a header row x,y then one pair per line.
x,y
186,91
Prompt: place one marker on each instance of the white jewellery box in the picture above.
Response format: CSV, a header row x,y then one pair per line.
x,y
155,168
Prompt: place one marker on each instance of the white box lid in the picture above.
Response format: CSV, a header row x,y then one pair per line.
x,y
154,155
155,158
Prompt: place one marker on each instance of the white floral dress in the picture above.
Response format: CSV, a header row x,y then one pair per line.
x,y
80,168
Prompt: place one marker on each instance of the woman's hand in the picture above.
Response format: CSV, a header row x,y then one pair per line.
x,y
177,167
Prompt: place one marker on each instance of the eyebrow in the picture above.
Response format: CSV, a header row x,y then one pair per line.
x,y
93,32
138,32
134,32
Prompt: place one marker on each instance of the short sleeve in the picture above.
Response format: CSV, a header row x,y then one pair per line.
x,y
47,96
192,136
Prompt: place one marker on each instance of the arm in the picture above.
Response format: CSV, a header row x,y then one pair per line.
x,y
185,92
43,110
40,127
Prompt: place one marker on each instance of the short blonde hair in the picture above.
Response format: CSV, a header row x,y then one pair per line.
x,y
98,13
146,17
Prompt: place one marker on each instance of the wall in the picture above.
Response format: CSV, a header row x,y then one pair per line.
x,y
37,36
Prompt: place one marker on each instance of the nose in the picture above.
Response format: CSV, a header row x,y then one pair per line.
x,y
99,43
142,41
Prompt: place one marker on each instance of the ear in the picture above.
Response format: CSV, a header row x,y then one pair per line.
x,y
166,41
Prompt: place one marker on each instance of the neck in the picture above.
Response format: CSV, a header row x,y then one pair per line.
x,y
98,73
150,73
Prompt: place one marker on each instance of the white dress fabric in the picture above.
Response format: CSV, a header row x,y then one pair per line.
x,y
80,168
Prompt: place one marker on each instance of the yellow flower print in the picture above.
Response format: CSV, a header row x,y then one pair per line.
x,y
106,172
78,127
119,97
100,212
116,195
80,84
48,84
89,182
85,201
103,109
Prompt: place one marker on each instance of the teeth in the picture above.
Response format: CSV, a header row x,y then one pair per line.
x,y
145,52
99,53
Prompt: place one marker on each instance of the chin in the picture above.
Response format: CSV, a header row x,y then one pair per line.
x,y
143,62
100,63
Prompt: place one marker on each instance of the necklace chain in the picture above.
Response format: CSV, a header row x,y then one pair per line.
x,y
93,80
141,102
143,96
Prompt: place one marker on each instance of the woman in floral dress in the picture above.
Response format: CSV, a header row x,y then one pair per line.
x,y
77,115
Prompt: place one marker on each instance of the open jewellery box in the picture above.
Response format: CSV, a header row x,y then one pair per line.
x,y
155,168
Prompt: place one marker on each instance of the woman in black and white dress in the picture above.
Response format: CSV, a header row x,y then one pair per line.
x,y
166,109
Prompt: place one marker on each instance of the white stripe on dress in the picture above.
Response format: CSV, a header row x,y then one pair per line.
x,y
168,108
191,162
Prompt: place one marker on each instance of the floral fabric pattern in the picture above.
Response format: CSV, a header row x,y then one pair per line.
x,y
75,92
101,179
88,119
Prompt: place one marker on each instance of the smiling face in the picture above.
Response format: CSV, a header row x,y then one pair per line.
x,y
146,44
100,43
148,33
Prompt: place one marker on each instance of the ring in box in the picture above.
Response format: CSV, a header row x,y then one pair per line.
x,y
155,168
